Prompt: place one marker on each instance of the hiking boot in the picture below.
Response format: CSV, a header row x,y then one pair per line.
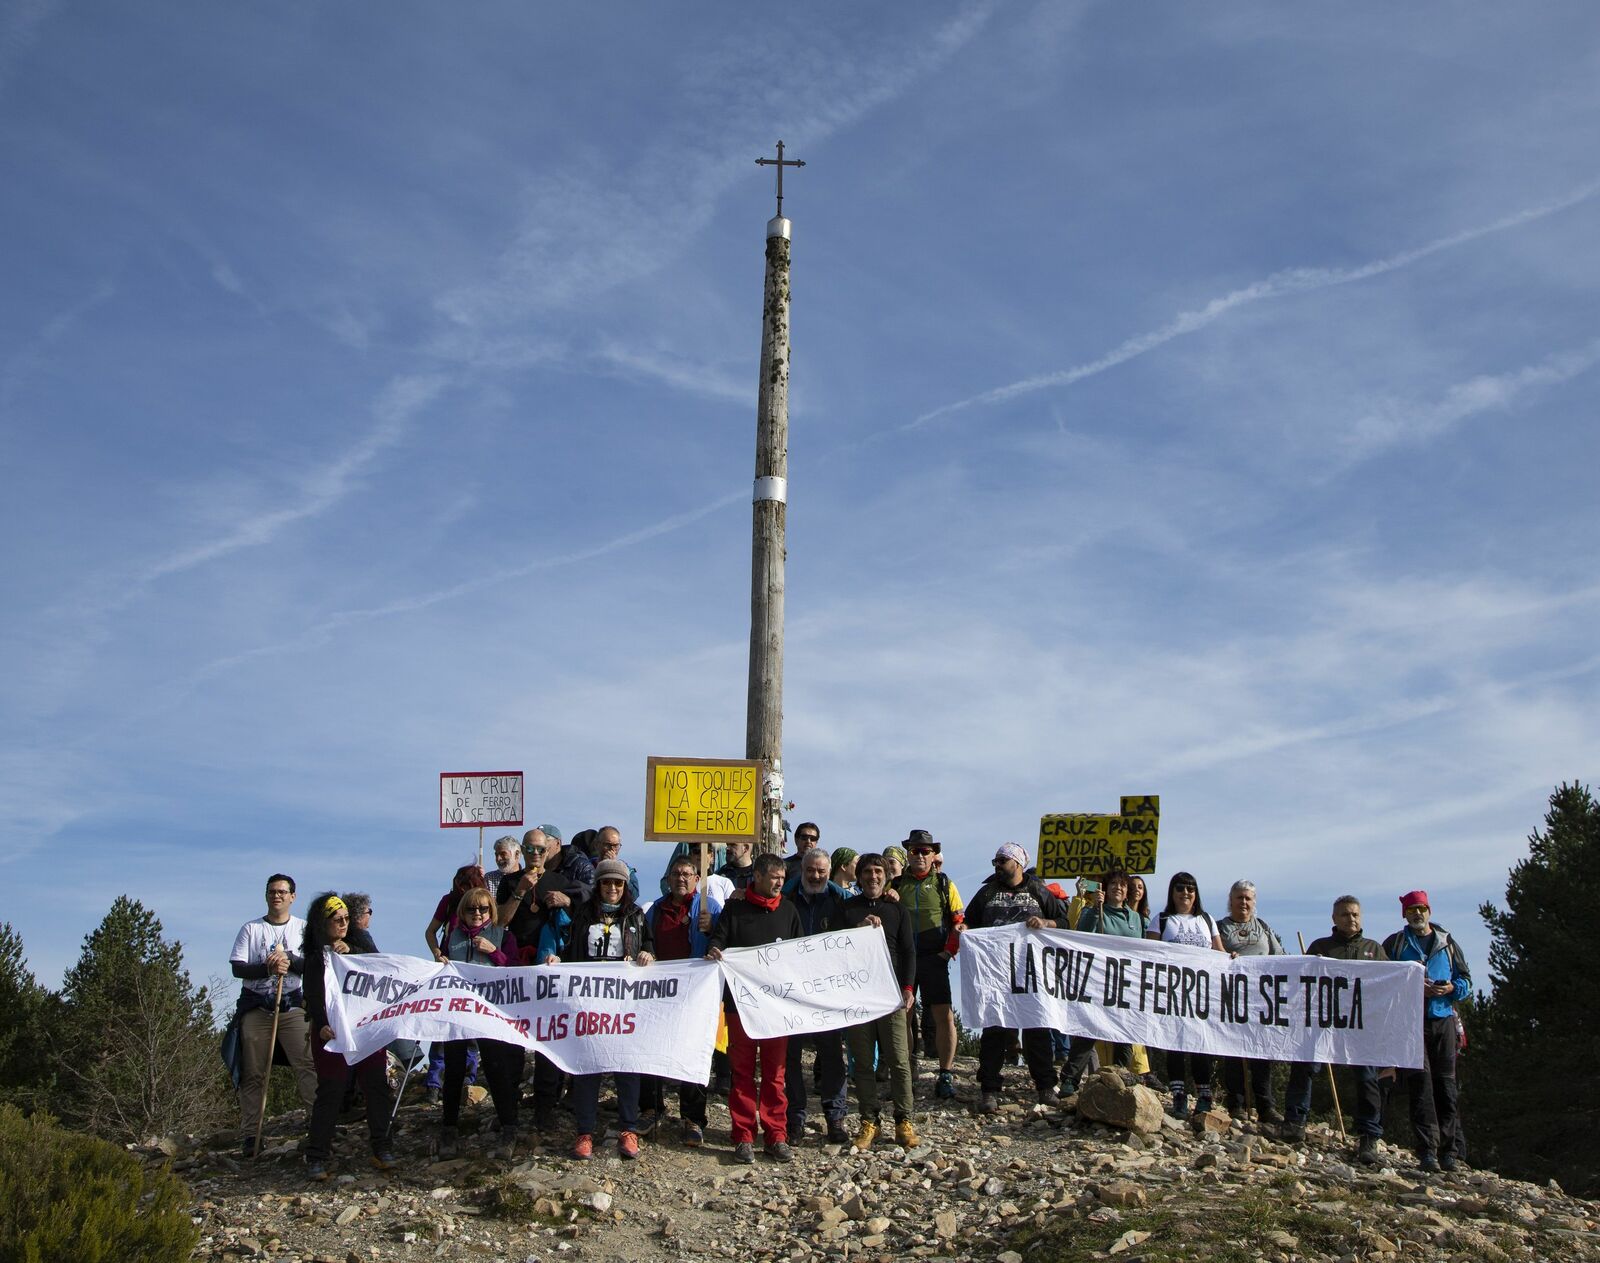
x,y
1049,1096
507,1148
779,1151
1205,1104
248,1148
693,1135
383,1159
317,1170
1367,1154
905,1135
648,1122
866,1135
583,1147
1427,1162
1180,1103
431,1096
1447,1161
945,1086
988,1103
1268,1114
1292,1133
837,1135
448,1144
744,1152
628,1145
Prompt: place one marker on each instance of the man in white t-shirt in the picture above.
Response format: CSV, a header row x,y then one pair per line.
x,y
264,951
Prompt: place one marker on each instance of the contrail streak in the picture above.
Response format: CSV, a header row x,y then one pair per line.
x,y
1289,281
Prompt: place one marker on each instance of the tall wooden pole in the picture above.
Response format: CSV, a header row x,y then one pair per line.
x,y
763,734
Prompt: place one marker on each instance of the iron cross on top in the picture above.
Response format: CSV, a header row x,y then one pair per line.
x,y
780,162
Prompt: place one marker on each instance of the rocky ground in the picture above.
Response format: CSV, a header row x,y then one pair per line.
x,y
1031,1182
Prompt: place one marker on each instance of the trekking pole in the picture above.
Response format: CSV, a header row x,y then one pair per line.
x,y
272,1052
1333,1087
412,1063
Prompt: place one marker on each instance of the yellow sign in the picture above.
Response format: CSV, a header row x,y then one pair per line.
x,y
1088,844
702,800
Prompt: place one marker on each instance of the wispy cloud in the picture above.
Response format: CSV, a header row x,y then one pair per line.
x,y
1278,285
681,374
31,356
20,21
584,232
319,632
1394,422
321,489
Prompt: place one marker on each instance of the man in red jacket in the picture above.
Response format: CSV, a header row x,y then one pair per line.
x,y
761,915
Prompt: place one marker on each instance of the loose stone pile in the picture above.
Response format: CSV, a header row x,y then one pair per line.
x,y
1036,1182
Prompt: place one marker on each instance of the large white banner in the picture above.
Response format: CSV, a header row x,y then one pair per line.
x,y
817,983
654,1019
1165,995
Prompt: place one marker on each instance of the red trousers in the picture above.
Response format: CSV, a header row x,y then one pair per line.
x,y
742,1095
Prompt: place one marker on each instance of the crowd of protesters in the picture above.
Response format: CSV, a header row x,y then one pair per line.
x,y
547,901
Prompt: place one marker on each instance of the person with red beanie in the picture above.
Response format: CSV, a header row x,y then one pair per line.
x,y
1446,982
758,917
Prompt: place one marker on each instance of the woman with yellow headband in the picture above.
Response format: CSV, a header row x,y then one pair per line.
x,y
327,926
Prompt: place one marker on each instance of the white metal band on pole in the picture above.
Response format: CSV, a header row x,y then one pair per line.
x,y
771,489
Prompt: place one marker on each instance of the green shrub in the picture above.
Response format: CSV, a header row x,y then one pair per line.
x,y
70,1198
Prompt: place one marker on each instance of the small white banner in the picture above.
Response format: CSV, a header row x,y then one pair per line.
x,y
1190,999
468,799
818,983
656,1019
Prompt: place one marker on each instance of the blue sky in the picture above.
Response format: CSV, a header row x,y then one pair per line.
x,y
1187,399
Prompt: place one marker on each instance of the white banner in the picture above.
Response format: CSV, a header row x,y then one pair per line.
x,y
1191,999
479,798
818,983
655,1019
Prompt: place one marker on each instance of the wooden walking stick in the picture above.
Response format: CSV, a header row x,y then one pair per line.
x,y
272,1051
1332,1086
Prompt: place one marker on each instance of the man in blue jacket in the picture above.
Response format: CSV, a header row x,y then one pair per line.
x,y
1447,981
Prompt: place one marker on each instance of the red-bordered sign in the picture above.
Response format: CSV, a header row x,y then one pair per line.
x,y
473,800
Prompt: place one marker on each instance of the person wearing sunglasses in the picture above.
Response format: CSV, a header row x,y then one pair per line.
x,y
327,929
1185,920
608,926
475,939
938,919
1014,896
807,834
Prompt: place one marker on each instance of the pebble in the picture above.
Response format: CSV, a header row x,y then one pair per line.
x,y
960,1197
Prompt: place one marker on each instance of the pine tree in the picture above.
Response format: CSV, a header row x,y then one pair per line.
x,y
138,1053
1538,942
1531,1104
27,1012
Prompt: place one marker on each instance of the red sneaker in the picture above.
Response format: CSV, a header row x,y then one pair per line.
x,y
583,1146
628,1144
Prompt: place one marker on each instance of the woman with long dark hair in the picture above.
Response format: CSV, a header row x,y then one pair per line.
x,y
1185,920
327,926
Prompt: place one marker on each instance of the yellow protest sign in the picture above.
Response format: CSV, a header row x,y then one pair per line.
x,y
702,800
1090,843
